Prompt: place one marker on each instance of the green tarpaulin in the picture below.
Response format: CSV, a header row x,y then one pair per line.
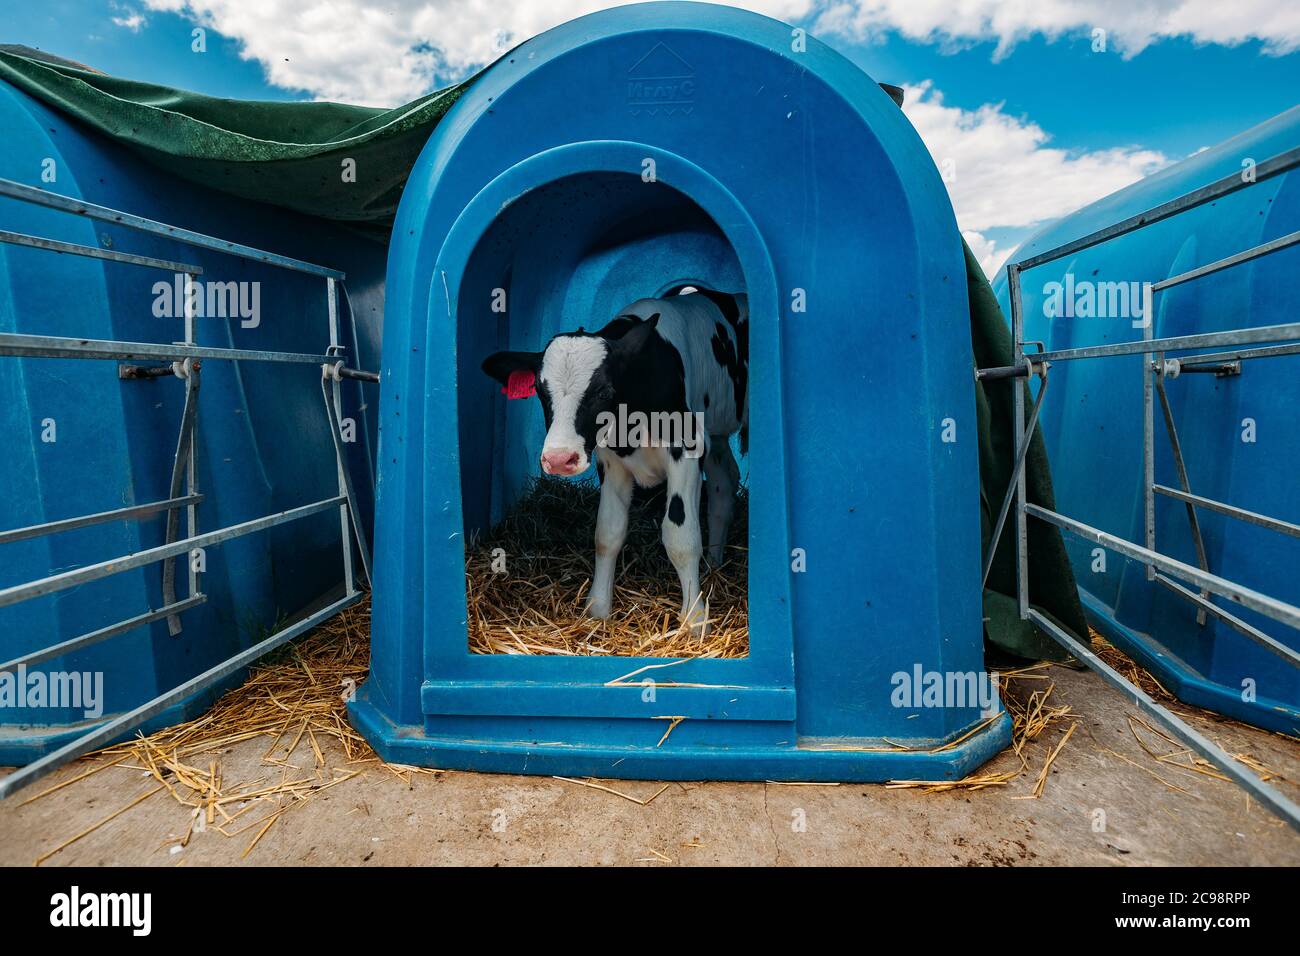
x,y
291,154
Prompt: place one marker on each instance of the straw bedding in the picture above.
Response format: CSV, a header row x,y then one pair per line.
x,y
527,581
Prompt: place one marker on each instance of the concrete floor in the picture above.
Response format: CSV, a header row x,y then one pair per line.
x,y
460,818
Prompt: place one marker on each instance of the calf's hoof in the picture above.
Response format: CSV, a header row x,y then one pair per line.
x,y
696,620
599,610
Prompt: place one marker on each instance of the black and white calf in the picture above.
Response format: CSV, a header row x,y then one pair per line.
x,y
680,365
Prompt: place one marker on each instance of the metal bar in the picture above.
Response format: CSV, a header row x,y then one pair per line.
x,y
1266,333
1236,623
359,374
1148,431
336,433
94,252
1238,355
1181,466
50,346
102,517
143,372
94,637
1269,607
93,572
1018,429
184,442
1217,368
1254,252
1011,485
997,372
115,728
191,369
1268,796
1264,521
334,411
42,197
1229,184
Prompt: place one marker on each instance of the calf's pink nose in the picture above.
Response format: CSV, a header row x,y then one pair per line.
x,y
559,462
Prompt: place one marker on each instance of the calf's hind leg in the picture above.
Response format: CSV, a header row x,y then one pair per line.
x,y
723,482
681,536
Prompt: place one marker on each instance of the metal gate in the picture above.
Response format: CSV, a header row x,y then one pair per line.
x,y
185,361
1157,370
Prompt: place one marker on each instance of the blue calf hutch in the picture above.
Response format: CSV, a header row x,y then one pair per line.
x,y
615,157
1237,429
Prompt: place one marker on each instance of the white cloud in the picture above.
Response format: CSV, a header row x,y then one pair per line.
x,y
361,51
364,51
128,19
990,255
1002,173
1128,26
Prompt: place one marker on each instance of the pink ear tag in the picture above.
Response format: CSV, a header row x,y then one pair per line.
x,y
520,384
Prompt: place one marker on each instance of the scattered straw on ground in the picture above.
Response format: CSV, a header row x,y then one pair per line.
x,y
527,582
1031,715
1158,745
295,698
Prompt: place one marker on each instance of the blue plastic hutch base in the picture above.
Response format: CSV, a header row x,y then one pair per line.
x,y
549,747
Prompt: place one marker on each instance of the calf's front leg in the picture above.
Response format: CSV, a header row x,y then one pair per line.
x,y
681,536
611,532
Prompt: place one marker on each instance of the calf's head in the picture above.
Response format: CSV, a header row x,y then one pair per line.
x,y
572,379
578,376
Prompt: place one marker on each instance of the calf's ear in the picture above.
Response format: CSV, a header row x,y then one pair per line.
x,y
500,364
636,338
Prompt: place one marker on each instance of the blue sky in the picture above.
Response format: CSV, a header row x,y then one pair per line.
x,y
1032,88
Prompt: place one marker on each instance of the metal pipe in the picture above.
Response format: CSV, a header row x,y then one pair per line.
x,y
1266,333
359,374
1273,524
334,411
108,732
346,479
1011,485
1236,623
1229,184
138,372
101,517
1254,252
1268,796
42,197
93,572
1148,431
1018,430
998,372
1202,558
1221,369
51,346
1269,607
184,443
94,637
1238,355
94,252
